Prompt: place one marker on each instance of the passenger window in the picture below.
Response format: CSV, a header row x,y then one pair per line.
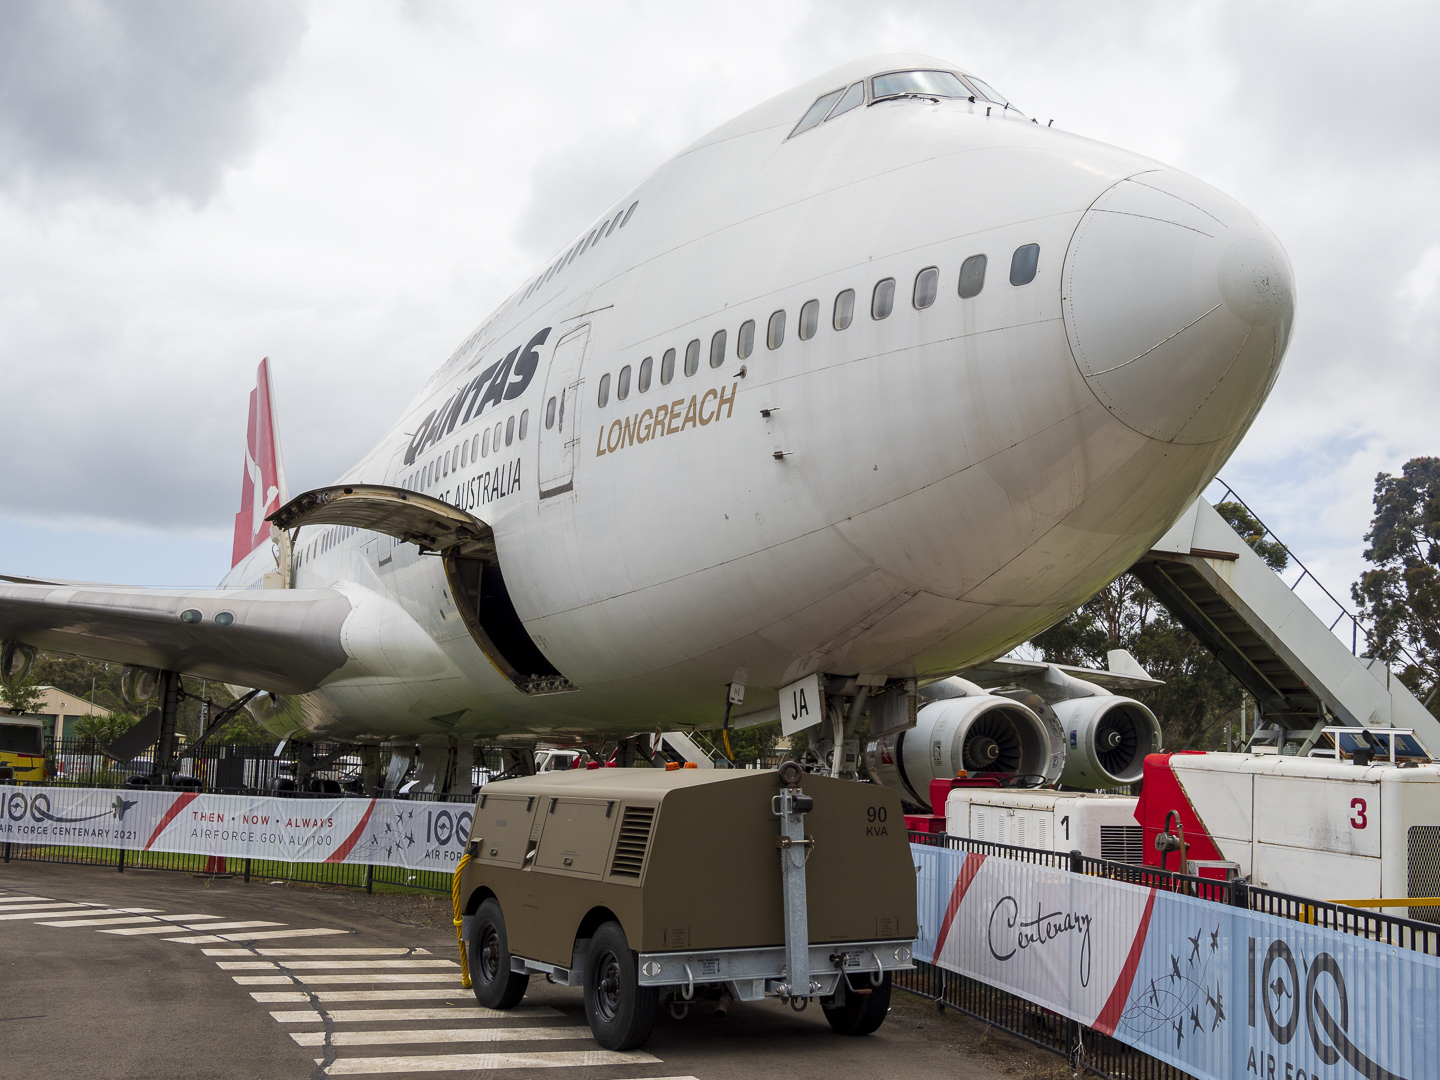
x,y
485,441
464,453
1023,264
809,319
844,309
717,349
573,252
445,467
853,98
626,220
549,417
524,422
692,357
745,342
927,282
495,439
475,448
667,367
882,302
601,400
622,384
817,112
613,223
646,367
509,431
775,332
972,276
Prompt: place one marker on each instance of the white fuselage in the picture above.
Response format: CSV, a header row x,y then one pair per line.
x,y
899,498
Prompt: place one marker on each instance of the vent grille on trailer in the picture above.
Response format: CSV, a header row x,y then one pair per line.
x,y
1122,843
1423,847
634,839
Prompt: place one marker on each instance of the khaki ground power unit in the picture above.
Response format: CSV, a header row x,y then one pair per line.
x,y
644,886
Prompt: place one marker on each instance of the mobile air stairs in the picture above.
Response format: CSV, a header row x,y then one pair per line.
x,y
1299,672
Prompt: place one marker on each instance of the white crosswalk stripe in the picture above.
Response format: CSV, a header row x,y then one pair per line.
x,y
347,979
38,911
395,1016
439,1035
101,922
315,952
21,899
332,965
176,926
92,913
361,1066
264,935
279,997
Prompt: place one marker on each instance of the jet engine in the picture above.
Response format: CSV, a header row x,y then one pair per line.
x,y
15,661
1107,738
137,684
973,731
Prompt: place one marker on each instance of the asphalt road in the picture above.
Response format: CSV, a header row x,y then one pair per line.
x,y
137,975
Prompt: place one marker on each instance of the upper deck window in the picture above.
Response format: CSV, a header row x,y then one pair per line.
x,y
941,84
817,112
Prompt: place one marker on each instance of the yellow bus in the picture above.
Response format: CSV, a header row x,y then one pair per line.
x,y
22,746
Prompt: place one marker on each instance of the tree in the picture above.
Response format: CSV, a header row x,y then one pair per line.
x,y
98,732
1199,696
22,695
1400,596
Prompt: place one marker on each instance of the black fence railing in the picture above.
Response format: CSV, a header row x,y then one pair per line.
x,y
1092,1050
296,771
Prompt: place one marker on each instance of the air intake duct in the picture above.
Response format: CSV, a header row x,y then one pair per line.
x,y
1107,738
975,732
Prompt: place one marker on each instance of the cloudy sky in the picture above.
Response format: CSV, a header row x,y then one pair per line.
x,y
349,188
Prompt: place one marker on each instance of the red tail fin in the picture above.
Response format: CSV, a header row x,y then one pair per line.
x,y
262,488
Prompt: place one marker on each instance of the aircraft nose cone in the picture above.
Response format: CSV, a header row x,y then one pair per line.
x,y
1178,306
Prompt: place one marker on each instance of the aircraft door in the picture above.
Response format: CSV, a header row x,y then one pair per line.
x,y
560,415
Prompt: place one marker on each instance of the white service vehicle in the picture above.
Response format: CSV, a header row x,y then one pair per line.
x,y
1100,826
1316,827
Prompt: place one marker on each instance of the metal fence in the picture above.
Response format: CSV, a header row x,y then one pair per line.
x,y
317,769
1085,1047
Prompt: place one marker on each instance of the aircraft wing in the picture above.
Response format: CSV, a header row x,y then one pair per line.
x,y
1008,671
281,640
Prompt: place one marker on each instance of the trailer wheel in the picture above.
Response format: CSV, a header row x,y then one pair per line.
x,y
621,1012
860,1014
495,985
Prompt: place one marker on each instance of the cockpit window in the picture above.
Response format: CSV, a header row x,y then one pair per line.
x,y
988,91
853,97
926,83
818,111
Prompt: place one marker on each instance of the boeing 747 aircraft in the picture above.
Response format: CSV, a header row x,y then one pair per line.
x,y
870,384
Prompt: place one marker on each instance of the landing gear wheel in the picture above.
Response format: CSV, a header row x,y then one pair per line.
x,y
495,985
860,1014
621,1012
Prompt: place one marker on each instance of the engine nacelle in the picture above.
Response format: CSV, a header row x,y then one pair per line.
x,y
975,732
1107,738
16,659
137,684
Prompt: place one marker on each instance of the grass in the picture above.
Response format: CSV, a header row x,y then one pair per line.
x,y
383,878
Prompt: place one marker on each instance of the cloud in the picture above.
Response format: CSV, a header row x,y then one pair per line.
x,y
134,101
